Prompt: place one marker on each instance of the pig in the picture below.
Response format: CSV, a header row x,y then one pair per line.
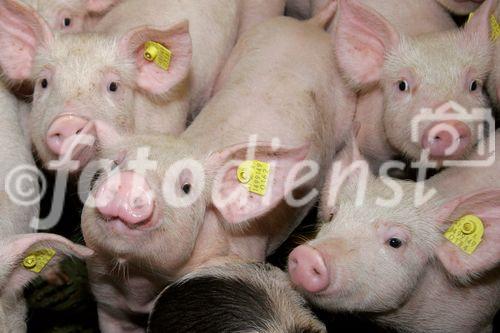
x,y
103,76
18,174
14,276
461,7
236,297
72,15
394,264
135,229
398,74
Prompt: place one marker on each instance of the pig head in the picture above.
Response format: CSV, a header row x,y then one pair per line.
x,y
392,260
82,78
399,76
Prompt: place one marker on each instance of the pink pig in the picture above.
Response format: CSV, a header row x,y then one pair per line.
x,y
394,262
399,72
104,76
188,209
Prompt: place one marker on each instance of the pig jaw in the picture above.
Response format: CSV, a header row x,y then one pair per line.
x,y
430,85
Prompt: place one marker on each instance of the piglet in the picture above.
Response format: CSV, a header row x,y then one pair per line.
x,y
392,260
168,205
233,298
108,76
400,75
20,264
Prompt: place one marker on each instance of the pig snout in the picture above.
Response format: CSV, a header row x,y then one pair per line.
x,y
127,197
308,270
62,130
446,139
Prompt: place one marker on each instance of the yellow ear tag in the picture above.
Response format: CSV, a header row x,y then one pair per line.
x,y
495,26
466,233
157,53
254,175
37,260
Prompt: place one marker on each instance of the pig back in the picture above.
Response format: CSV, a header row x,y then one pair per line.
x,y
283,85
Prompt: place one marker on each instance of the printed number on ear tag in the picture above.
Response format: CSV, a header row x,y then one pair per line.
x,y
159,54
466,233
254,175
37,260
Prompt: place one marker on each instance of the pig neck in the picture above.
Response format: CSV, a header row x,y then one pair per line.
x,y
439,304
217,244
160,117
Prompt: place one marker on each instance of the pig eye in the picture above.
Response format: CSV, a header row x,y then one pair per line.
x,y
67,22
395,243
113,87
44,83
403,85
186,188
474,85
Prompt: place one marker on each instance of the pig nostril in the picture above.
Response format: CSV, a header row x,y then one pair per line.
x,y
316,272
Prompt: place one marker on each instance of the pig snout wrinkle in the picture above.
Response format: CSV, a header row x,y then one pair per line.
x,y
126,196
308,269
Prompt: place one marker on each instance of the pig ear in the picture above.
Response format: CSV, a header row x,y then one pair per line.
x,y
246,205
486,206
479,24
22,32
362,38
15,249
100,6
151,77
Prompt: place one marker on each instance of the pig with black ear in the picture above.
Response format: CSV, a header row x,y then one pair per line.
x,y
194,202
24,257
443,72
72,15
233,298
413,266
143,70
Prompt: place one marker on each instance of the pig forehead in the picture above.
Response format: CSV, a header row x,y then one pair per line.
x,y
434,59
51,7
83,55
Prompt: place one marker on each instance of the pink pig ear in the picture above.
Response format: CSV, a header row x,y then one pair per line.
x,y
100,6
151,77
362,38
479,25
485,205
246,205
13,250
22,33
